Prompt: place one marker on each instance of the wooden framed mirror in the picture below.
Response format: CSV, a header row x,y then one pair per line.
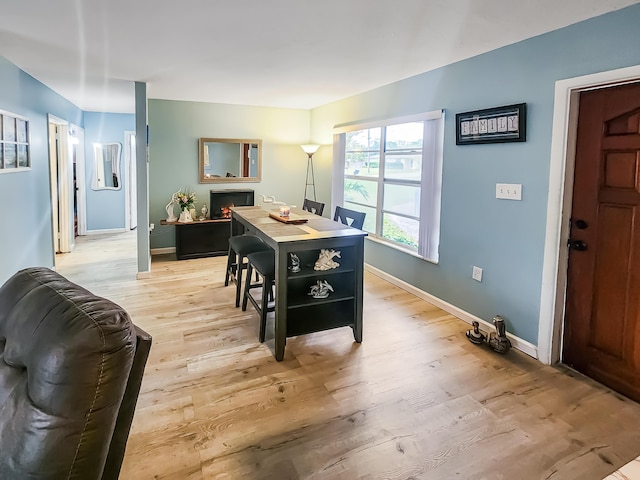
x,y
229,160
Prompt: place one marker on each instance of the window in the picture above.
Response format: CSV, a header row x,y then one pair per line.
x,y
392,171
14,142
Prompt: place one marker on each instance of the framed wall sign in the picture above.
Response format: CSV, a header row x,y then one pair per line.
x,y
492,125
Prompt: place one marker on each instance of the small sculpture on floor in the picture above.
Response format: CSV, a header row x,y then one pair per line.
x,y
325,260
497,340
475,335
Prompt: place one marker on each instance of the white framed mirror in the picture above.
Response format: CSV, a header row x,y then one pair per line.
x,y
106,166
228,160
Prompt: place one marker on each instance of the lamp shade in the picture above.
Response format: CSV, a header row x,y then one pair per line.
x,y
310,149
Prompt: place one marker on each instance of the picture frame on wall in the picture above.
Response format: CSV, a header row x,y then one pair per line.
x,y
492,125
15,152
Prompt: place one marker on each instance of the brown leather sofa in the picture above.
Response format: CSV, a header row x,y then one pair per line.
x,y
71,364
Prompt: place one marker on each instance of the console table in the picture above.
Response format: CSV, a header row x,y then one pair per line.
x,y
298,313
201,238
210,237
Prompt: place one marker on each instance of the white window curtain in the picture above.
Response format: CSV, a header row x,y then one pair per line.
x,y
431,180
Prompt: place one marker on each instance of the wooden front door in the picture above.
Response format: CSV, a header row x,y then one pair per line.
x,y
602,319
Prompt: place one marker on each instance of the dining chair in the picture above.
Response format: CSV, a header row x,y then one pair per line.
x,y
240,246
262,262
349,217
313,207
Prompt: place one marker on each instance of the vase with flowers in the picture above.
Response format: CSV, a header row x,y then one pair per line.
x,y
187,201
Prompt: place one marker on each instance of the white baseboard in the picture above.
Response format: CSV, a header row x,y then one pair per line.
x,y
516,342
163,251
107,230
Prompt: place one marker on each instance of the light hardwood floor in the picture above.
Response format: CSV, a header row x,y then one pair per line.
x,y
415,400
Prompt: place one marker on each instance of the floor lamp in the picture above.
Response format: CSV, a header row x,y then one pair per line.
x,y
310,150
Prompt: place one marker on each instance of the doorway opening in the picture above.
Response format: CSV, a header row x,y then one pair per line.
x,y
76,140
130,193
61,181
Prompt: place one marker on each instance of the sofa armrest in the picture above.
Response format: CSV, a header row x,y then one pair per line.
x,y
127,408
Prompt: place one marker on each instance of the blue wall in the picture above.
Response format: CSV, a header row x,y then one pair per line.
x,y
26,238
505,238
26,231
105,208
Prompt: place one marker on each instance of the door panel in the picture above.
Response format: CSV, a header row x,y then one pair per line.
x,y
611,270
602,322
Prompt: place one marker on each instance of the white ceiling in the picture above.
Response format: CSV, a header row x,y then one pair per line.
x,y
280,53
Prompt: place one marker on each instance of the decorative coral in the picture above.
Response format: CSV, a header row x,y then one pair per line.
x,y
325,260
321,289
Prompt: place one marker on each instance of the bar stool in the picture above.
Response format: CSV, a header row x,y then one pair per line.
x,y
313,207
262,262
349,217
239,247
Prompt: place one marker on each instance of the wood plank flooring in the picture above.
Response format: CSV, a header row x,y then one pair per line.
x,y
415,400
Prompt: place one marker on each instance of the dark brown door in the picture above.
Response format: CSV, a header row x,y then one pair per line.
x,y
602,319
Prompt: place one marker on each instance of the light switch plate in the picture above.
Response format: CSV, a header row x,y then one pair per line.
x,y
509,191
476,273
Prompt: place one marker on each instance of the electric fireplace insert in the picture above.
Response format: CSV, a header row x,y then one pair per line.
x,y
222,200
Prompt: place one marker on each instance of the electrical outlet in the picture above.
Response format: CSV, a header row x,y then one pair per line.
x,y
151,227
476,273
509,191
